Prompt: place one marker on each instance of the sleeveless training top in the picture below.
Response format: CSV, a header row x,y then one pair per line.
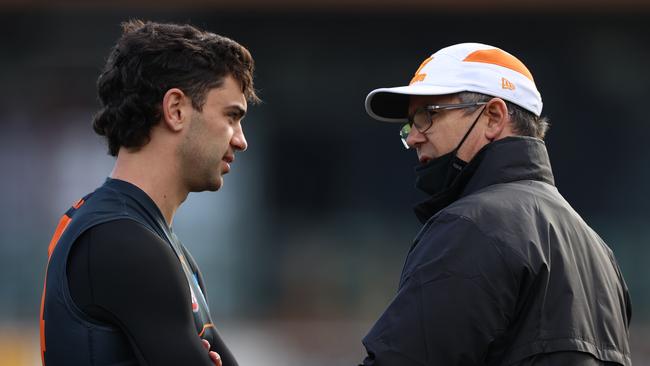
x,y
68,335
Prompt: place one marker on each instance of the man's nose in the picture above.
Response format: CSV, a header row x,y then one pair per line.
x,y
239,140
414,137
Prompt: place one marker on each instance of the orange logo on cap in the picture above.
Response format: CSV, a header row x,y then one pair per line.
x,y
418,76
499,58
507,84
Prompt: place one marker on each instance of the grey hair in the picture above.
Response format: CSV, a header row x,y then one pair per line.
x,y
524,123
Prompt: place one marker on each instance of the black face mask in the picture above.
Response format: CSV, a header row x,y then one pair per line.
x,y
438,174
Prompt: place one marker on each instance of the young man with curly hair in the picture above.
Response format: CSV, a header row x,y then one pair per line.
x,y
120,288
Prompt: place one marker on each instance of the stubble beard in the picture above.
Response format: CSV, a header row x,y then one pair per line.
x,y
201,171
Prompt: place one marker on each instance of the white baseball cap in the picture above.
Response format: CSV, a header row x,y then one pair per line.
x,y
471,67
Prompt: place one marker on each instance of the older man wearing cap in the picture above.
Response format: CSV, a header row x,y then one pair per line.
x,y
504,271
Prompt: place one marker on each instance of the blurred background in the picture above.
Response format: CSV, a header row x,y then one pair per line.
x,y
303,246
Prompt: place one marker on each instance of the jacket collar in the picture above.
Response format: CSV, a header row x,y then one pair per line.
x,y
510,159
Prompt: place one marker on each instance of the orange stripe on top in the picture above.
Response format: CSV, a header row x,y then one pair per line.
x,y
60,228
206,326
42,322
497,57
63,223
78,203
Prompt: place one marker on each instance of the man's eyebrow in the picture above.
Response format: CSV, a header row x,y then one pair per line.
x,y
241,112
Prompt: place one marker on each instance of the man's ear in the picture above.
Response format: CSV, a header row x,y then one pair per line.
x,y
498,118
175,111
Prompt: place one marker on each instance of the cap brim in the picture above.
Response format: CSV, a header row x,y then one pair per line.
x,y
391,104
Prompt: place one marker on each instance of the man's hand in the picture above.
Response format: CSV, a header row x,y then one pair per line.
x,y
213,355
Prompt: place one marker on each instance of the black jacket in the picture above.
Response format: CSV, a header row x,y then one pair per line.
x,y
506,274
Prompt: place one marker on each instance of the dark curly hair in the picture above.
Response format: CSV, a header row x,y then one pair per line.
x,y
151,58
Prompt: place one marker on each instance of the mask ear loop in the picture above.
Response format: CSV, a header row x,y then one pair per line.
x,y
469,131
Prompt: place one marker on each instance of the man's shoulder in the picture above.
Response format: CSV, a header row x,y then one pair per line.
x,y
505,220
520,218
124,234
103,199
507,198
510,212
455,246
109,203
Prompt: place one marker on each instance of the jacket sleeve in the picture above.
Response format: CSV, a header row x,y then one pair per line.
x,y
457,295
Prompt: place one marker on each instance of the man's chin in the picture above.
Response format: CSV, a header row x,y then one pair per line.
x,y
211,185
216,184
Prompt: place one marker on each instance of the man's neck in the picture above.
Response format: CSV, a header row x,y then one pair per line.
x,y
155,176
